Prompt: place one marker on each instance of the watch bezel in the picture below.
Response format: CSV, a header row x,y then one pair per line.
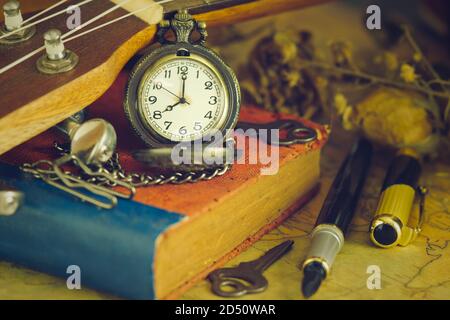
x,y
131,103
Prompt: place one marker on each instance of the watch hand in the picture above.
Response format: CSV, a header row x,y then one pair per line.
x,y
170,108
180,99
171,93
183,77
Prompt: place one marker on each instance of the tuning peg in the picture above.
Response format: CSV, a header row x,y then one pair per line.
x,y
57,59
13,16
14,21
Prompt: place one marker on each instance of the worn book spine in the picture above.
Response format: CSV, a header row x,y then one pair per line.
x,y
51,231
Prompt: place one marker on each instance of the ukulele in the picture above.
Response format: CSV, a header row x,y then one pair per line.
x,y
110,34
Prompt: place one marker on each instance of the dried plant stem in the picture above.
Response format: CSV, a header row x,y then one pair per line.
x,y
434,107
374,79
437,79
424,60
440,81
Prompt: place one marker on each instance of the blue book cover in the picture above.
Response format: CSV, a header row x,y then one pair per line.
x,y
52,230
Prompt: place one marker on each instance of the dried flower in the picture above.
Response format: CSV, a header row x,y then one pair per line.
x,y
322,82
417,57
391,61
278,81
345,110
342,53
341,104
287,45
289,73
347,119
408,73
291,78
388,59
393,117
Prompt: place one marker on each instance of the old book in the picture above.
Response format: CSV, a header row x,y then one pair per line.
x,y
170,236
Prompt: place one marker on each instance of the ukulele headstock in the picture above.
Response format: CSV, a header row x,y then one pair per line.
x,y
38,95
63,72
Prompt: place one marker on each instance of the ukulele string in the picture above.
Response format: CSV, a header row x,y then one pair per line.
x,y
101,15
29,55
45,11
43,19
19,61
114,21
25,25
34,52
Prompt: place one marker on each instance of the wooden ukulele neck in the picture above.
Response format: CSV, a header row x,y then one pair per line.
x,y
202,6
194,6
33,102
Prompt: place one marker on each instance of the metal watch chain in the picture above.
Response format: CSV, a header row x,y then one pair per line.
x,y
115,169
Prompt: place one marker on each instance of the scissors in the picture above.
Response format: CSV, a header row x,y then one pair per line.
x,y
247,276
297,132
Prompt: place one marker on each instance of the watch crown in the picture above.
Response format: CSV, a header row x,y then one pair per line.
x,y
183,25
183,15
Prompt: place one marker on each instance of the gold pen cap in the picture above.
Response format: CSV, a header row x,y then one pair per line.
x,y
389,226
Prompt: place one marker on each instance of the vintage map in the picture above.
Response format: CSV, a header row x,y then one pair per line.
x,y
419,271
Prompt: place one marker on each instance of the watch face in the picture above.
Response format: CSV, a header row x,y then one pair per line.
x,y
183,98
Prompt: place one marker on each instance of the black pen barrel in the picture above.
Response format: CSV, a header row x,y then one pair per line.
x,y
345,191
404,169
327,237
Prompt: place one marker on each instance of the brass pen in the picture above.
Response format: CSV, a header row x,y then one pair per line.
x,y
389,226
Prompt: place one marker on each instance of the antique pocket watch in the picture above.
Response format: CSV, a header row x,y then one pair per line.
x,y
181,91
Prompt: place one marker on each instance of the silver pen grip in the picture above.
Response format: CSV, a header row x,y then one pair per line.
x,y
326,242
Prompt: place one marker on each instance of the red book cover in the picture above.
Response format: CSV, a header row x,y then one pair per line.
x,y
223,216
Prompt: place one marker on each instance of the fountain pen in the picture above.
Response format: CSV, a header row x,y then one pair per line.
x,y
327,237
